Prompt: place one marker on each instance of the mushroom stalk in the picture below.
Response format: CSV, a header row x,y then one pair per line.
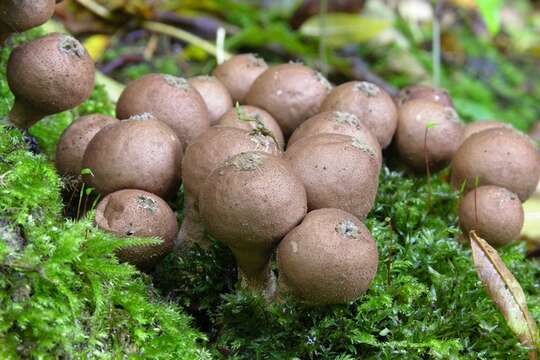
x,y
192,229
23,115
255,271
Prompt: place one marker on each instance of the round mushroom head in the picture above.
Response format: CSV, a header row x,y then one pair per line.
x,y
337,122
215,146
215,95
501,157
238,74
330,258
428,129
138,153
371,104
291,93
495,213
251,118
170,99
425,92
338,171
48,75
137,213
477,126
21,15
74,140
250,203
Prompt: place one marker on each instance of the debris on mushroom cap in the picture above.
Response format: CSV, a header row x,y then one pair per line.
x,y
291,93
135,154
338,172
495,213
248,161
66,81
138,213
481,157
372,105
428,130
336,270
171,100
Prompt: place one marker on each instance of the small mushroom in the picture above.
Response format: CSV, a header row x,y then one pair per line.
x,y
425,92
371,104
495,213
215,95
137,213
74,141
338,171
21,15
502,157
139,153
330,258
250,203
238,74
48,75
428,131
291,93
251,118
171,100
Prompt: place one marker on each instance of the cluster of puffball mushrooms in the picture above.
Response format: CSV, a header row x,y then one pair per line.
x,y
274,160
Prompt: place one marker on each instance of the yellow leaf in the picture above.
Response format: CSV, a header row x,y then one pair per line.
x,y
341,29
466,4
505,291
96,45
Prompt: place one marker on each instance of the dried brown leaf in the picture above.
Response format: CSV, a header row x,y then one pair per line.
x,y
505,291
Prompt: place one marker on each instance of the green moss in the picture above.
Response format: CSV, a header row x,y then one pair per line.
x,y
63,293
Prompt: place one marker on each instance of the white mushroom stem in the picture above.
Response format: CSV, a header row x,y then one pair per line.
x,y
192,229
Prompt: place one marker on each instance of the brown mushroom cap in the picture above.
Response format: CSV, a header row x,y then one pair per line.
x,y
215,95
330,258
21,15
496,215
338,171
171,100
291,93
425,92
250,118
501,157
337,122
74,140
48,75
250,203
371,104
139,153
213,147
444,134
140,214
477,126
238,74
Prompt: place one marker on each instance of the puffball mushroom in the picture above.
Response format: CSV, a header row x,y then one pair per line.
x,y
48,75
138,213
425,92
428,129
495,213
291,93
501,157
250,203
338,171
371,104
74,141
238,74
139,153
215,95
337,122
251,118
330,258
170,99
21,15
202,156
477,126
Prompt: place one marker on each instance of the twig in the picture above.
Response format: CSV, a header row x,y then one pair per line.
x,y
436,47
96,8
184,36
322,39
220,45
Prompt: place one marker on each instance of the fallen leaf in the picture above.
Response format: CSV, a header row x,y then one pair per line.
x,y
96,45
505,291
